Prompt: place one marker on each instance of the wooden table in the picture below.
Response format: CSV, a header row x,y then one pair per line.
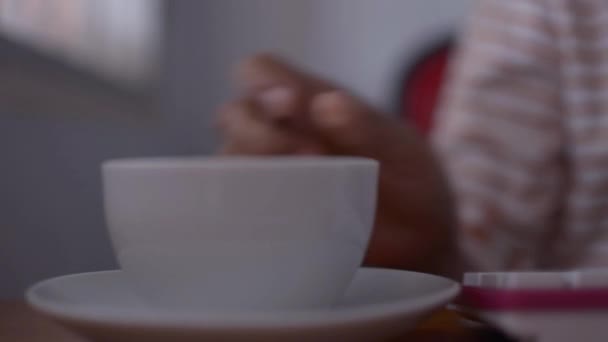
x,y
19,323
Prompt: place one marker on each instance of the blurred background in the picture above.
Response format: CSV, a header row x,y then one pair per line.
x,y
88,80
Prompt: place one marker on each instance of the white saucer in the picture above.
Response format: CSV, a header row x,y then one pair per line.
x,y
379,304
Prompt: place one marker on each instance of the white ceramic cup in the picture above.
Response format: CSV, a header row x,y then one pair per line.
x,y
240,233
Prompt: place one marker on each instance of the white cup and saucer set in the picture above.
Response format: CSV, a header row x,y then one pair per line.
x,y
241,249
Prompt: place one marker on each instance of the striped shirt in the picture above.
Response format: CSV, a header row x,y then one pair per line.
x,y
523,134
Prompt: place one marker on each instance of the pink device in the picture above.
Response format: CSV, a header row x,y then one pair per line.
x,y
541,306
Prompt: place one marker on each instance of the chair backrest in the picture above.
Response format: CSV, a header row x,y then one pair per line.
x,y
421,85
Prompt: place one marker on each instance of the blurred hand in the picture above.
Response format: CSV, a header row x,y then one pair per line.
x,y
286,111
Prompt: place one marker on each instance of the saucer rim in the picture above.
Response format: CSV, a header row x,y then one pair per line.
x,y
230,320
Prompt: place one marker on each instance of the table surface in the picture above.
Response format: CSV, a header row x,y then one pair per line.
x,y
19,323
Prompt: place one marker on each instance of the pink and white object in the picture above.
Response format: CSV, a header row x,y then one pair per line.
x,y
541,306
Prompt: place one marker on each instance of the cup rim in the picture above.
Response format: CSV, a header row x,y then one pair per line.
x,y
240,162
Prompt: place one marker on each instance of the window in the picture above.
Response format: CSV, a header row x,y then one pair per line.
x,y
116,39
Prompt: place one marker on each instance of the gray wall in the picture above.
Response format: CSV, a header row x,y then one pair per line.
x,y
51,219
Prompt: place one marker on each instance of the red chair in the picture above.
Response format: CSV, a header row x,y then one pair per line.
x,y
421,85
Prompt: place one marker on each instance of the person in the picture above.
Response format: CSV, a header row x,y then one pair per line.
x,y
516,176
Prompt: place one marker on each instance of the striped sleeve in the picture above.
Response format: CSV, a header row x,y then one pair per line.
x,y
498,133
